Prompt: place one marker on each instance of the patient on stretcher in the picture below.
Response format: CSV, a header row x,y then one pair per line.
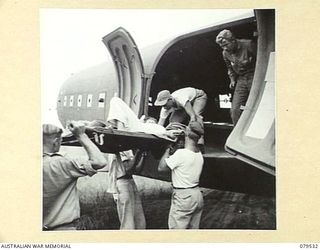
x,y
123,118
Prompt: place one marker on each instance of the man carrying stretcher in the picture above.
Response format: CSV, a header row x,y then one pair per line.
x,y
123,164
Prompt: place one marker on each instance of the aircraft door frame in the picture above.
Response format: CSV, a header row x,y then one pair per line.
x,y
129,67
253,138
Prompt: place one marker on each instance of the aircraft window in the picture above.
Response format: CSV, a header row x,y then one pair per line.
x,y
79,100
89,101
225,101
71,101
65,98
102,97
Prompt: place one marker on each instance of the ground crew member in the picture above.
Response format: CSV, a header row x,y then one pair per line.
x,y
186,166
181,104
124,190
240,58
61,206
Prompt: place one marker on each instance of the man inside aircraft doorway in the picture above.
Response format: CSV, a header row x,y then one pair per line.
x,y
183,105
240,58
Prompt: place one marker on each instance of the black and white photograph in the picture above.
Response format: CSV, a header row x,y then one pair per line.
x,y
158,119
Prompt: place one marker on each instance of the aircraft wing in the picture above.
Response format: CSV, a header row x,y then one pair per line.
x,y
112,140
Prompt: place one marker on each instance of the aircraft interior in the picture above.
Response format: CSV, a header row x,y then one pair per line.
x,y
197,61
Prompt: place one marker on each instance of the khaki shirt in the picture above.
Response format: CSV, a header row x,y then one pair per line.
x,y
60,196
242,61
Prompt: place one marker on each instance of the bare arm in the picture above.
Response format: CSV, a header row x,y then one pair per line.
x,y
96,158
161,121
163,167
140,162
189,109
163,116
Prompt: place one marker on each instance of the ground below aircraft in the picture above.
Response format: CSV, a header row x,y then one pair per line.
x,y
240,158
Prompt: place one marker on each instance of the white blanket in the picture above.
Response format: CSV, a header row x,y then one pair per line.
x,y
120,111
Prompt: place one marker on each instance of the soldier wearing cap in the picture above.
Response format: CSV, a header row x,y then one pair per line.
x,y
183,105
185,166
61,208
240,58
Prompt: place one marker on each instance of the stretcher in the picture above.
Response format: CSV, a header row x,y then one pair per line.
x,y
111,140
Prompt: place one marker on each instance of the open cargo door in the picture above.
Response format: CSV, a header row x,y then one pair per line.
x,y
253,138
129,66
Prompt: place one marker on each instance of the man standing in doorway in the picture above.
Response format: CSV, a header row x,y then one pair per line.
x,y
240,58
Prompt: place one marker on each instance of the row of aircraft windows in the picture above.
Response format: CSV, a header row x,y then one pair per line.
x,y
101,100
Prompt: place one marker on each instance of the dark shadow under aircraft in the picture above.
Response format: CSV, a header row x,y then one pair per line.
x,y
240,158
